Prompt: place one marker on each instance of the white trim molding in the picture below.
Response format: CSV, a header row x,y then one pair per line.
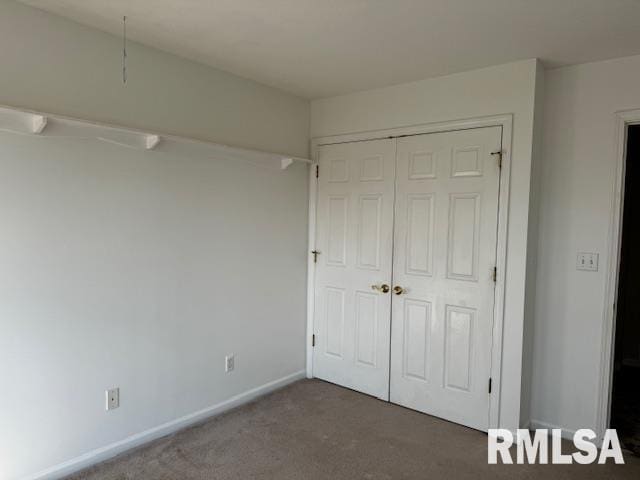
x,y
506,122
622,120
461,124
24,122
311,265
104,453
537,424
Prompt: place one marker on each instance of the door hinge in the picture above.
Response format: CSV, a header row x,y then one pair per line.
x,y
494,274
498,153
313,340
317,171
315,254
490,384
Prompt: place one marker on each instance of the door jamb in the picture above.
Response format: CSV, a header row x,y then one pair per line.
x,y
506,122
622,120
311,266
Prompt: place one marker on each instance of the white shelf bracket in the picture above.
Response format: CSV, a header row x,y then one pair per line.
x,y
38,124
285,162
151,141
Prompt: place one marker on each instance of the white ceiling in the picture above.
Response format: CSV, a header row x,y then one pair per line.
x,y
318,48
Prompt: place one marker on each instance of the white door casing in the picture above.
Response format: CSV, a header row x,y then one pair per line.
x,y
446,219
354,236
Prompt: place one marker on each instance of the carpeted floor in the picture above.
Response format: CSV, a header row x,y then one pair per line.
x,y
316,430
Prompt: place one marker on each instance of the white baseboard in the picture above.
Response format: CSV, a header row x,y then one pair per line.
x,y
103,453
566,433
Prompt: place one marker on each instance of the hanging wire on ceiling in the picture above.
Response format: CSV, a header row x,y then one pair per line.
x,y
124,50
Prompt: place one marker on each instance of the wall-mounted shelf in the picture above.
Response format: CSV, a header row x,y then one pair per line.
x,y
46,125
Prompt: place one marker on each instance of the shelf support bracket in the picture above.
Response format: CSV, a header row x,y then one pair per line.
x,y
38,124
151,141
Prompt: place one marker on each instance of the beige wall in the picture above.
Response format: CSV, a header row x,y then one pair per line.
x,y
134,269
577,188
54,65
138,270
490,91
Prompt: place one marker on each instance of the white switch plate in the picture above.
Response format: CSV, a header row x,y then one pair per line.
x,y
113,398
587,261
229,363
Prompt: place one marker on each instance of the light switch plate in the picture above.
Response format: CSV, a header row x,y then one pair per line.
x,y
587,261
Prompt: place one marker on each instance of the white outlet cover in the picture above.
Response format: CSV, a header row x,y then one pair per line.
x,y
229,363
113,398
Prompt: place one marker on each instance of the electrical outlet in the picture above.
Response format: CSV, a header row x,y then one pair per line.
x,y
113,398
229,363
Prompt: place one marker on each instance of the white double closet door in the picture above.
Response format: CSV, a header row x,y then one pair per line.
x,y
404,287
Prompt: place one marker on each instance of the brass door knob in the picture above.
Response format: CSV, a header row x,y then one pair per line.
x,y
384,288
398,290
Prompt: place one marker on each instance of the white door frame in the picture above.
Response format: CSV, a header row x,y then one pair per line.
x,y
504,121
622,119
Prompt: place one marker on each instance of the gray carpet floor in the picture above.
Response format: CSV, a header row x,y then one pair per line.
x,y
316,430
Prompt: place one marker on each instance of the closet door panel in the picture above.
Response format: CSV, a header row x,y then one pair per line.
x,y
444,253
354,237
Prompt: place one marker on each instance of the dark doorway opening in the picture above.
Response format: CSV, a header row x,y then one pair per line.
x,y
625,409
